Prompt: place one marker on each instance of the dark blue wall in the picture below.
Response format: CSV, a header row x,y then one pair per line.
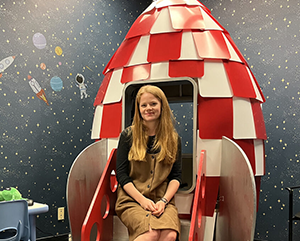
x,y
40,142
267,34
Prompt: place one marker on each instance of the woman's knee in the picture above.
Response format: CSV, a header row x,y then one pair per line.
x,y
155,234
151,235
168,235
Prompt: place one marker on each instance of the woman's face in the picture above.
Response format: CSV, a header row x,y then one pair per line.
x,y
150,108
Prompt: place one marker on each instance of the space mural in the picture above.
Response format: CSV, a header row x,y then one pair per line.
x,y
53,53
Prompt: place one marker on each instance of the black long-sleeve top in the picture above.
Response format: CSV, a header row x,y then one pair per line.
x,y
123,163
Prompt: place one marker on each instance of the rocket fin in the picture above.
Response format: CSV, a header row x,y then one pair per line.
x,y
41,95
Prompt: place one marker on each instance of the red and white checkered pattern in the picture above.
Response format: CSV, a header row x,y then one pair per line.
x,y
180,38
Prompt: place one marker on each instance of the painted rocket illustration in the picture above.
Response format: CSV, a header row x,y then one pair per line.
x,y
5,63
175,39
35,86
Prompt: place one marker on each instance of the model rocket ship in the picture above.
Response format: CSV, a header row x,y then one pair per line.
x,y
5,63
35,86
180,38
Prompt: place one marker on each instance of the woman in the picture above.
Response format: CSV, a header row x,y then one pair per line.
x,y
149,170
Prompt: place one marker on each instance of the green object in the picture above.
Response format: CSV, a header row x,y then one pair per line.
x,y
10,194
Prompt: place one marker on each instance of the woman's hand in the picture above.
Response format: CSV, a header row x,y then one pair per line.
x,y
160,208
148,204
145,203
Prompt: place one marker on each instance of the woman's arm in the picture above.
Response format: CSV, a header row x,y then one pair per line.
x,y
122,166
170,192
174,184
146,203
122,173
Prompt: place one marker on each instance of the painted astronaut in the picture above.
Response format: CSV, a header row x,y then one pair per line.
x,y
81,85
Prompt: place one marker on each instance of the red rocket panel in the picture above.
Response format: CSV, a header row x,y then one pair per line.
x,y
215,118
111,121
164,47
258,120
191,68
211,44
142,25
124,52
240,80
137,72
247,146
102,89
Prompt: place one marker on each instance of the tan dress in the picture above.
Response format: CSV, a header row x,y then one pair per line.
x,y
150,178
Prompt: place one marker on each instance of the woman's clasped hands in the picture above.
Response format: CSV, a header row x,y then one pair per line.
x,y
157,209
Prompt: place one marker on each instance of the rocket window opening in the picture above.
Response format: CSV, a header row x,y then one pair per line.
x,y
182,96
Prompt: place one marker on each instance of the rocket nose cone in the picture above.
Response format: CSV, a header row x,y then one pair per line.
x,y
29,77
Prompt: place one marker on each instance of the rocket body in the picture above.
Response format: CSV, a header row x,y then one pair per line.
x,y
37,89
177,39
5,63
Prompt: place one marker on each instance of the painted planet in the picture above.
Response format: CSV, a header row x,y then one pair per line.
x,y
58,50
39,40
56,83
43,66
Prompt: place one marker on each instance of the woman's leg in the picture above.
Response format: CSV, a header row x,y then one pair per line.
x,y
167,235
151,235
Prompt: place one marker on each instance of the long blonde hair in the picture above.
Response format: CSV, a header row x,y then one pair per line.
x,y
166,138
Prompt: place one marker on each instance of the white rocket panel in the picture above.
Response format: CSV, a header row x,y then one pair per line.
x,y
159,70
243,122
161,4
210,24
163,23
233,54
97,122
188,48
214,82
140,53
259,157
213,149
111,144
115,88
258,95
